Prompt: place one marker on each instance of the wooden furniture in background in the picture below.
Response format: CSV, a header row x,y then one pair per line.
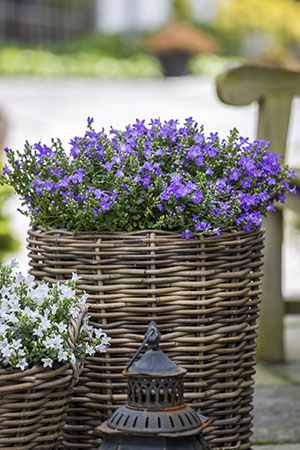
x,y
273,89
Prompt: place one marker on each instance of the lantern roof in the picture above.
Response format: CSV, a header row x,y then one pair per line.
x,y
154,361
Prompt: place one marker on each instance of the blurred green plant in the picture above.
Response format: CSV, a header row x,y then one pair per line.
x,y
211,65
114,56
8,243
276,22
181,10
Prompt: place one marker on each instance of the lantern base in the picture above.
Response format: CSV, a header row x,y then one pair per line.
x,y
153,443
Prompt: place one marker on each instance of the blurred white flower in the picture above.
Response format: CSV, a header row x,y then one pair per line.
x,y
30,280
75,277
13,263
67,291
85,296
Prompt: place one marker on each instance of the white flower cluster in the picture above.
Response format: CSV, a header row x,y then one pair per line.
x,y
34,322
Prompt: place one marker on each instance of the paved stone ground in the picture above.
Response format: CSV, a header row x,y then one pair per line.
x,y
277,447
39,109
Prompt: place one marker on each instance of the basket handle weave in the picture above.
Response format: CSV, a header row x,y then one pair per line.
x,y
73,331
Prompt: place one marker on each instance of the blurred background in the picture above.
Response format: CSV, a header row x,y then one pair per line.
x,y
115,60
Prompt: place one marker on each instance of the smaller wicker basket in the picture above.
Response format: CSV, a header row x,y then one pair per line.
x,y
34,402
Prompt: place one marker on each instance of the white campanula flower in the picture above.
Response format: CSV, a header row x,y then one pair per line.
x,y
45,323
47,362
40,293
19,278
8,351
67,291
74,312
90,350
12,318
98,333
3,343
16,344
62,327
101,348
3,328
31,314
21,352
38,331
55,341
22,364
62,356
105,339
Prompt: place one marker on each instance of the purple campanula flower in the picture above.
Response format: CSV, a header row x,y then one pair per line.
x,y
90,120
6,171
108,166
281,197
78,177
48,185
271,207
217,231
184,179
159,152
197,197
212,152
234,174
187,234
64,183
98,193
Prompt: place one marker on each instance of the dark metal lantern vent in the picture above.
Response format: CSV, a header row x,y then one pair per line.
x,y
155,393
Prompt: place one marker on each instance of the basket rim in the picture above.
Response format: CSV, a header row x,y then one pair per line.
x,y
225,232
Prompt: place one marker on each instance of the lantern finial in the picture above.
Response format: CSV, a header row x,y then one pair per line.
x,y
152,338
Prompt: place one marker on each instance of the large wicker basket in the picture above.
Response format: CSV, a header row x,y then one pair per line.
x,y
34,402
204,295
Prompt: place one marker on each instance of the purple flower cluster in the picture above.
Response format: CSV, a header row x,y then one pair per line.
x,y
162,175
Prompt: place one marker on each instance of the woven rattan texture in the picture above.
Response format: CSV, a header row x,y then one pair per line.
x,y
203,294
34,402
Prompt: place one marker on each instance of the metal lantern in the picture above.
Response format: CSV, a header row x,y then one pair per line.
x,y
155,416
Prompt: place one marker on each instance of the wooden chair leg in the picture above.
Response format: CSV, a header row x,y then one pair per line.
x,y
270,338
